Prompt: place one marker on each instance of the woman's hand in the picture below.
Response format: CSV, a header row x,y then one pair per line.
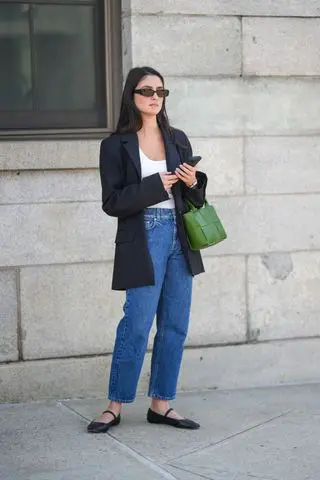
x,y
168,179
187,174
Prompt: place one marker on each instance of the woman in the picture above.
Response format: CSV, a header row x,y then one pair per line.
x,y
145,184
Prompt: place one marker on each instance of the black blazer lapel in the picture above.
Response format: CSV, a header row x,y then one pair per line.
x,y
173,161
130,143
172,155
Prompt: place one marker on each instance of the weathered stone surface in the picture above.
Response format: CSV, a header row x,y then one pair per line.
x,y
8,316
68,310
229,7
281,46
273,363
61,378
197,45
206,108
253,365
279,223
50,186
282,165
75,304
222,160
284,298
222,107
78,232
218,313
55,233
32,155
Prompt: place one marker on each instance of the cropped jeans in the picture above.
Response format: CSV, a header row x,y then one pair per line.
x,y
169,299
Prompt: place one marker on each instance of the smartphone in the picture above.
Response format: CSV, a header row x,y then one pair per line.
x,y
193,160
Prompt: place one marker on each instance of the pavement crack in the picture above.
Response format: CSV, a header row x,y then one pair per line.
x,y
259,478
200,475
142,459
133,453
73,411
229,437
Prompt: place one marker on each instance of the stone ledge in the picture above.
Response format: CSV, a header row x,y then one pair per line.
x,y
255,365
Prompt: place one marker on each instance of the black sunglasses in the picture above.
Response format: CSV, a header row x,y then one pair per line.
x,y
149,92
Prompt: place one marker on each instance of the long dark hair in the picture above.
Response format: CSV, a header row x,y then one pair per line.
x,y
130,119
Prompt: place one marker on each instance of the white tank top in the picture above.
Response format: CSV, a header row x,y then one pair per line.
x,y
150,167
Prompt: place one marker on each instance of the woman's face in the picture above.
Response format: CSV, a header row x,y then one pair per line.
x,y
149,105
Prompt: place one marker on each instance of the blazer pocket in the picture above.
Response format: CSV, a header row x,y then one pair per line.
x,y
124,236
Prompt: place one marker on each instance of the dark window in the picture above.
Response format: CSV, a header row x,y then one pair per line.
x,y
53,65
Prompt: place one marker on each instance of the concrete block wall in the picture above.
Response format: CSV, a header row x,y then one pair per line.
x,y
245,85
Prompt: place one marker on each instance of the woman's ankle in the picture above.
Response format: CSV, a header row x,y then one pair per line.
x,y
115,407
159,406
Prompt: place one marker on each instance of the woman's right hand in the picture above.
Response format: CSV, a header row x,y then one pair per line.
x,y
168,179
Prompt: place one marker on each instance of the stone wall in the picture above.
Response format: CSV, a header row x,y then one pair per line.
x,y
245,86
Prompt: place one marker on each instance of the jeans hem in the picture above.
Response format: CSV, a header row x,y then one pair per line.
x,y
161,397
119,400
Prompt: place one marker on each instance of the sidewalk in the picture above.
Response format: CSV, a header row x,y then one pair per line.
x,y
262,433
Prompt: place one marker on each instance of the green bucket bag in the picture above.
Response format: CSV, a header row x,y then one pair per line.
x,y
203,226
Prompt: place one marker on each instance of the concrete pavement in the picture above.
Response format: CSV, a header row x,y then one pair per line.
x,y
262,433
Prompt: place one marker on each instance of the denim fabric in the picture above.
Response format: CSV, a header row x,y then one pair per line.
x,y
169,299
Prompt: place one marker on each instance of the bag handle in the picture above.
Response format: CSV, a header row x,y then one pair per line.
x,y
193,208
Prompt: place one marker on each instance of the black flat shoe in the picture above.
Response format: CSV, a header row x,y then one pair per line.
x,y
100,427
154,417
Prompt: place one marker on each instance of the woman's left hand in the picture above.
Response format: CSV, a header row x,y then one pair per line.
x,y
186,173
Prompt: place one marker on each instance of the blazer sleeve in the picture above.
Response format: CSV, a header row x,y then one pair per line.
x,y
196,195
119,200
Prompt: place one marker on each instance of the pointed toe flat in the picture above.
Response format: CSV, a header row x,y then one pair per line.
x,y
101,427
153,417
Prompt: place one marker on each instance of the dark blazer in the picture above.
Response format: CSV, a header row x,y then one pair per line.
x,y
125,196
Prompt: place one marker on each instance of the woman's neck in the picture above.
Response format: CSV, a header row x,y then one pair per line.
x,y
149,126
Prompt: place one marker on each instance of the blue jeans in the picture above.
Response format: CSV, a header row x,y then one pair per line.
x,y
170,300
